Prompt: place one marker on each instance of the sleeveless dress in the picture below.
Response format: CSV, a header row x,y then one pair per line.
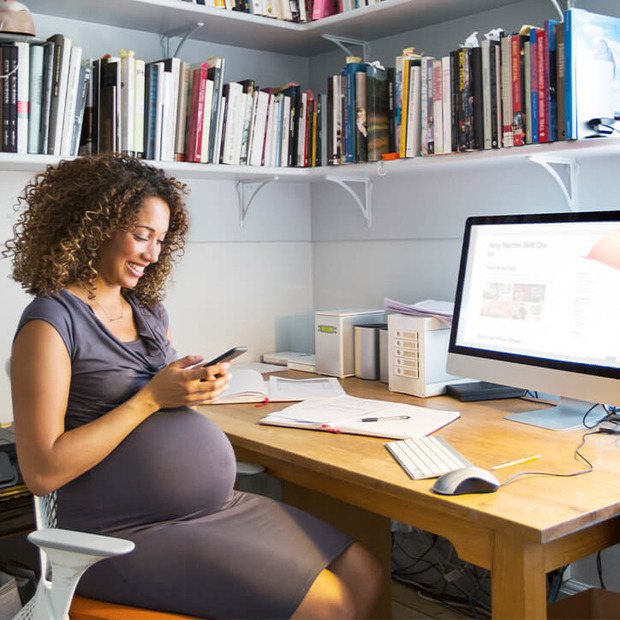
x,y
202,548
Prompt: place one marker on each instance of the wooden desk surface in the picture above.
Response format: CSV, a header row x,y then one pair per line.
x,y
521,532
359,469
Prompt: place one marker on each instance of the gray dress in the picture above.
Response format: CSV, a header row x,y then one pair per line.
x,y
202,548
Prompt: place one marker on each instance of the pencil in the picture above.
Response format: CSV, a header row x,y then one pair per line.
x,y
527,459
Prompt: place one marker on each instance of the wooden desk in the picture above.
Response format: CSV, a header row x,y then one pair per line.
x,y
520,533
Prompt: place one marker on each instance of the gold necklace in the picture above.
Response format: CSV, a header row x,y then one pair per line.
x,y
112,319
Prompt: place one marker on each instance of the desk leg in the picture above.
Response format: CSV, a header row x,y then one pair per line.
x,y
518,580
370,529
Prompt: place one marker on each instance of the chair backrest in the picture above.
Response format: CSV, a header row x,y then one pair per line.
x,y
45,516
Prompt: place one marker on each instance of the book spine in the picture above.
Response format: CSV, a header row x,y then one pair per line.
x,y
182,112
46,94
414,131
455,99
80,106
485,48
534,84
551,80
496,95
73,88
128,96
35,94
217,65
361,117
437,110
527,91
378,112
403,96
506,74
542,88
570,111
518,127
349,120
560,81
139,107
23,101
478,109
150,104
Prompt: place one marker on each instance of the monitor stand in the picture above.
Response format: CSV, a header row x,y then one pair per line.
x,y
567,415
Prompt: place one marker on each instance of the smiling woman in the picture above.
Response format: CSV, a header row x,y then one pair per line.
x,y
103,414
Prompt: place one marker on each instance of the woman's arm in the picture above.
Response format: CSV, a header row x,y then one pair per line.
x,y
49,457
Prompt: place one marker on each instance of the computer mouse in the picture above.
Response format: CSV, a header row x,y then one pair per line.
x,y
466,480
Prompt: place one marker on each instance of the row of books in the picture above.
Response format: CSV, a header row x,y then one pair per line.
x,y
43,96
56,102
538,85
290,10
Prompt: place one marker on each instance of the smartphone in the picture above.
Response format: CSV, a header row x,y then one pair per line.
x,y
227,356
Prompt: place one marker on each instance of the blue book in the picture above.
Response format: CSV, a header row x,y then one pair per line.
x,y
592,52
534,42
353,66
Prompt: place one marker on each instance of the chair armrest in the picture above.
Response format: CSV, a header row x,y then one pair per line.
x,y
80,542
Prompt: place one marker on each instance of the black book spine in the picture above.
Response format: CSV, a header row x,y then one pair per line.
x,y
12,147
454,94
46,94
150,109
476,82
495,102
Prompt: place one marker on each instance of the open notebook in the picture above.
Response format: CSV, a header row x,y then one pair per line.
x,y
362,416
247,385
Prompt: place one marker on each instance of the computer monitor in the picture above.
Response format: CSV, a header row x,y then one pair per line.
x,y
538,307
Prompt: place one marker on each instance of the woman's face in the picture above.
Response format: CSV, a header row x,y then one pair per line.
x,y
126,255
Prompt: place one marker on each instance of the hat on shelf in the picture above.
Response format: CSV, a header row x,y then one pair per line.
x,y
15,18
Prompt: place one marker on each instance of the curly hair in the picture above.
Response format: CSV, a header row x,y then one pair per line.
x,y
74,208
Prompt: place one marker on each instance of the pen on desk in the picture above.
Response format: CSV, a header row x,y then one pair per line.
x,y
527,459
392,417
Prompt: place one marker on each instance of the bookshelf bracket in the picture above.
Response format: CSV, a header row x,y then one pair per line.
x,y
185,33
246,192
567,180
340,42
365,205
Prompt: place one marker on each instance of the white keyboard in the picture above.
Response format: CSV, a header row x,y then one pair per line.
x,y
426,457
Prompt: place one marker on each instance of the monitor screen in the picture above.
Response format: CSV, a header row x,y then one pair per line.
x,y
538,307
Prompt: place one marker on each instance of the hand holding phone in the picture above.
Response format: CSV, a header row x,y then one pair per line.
x,y
227,356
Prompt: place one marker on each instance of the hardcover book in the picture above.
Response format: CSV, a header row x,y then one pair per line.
x,y
46,94
62,55
35,96
592,48
378,111
353,66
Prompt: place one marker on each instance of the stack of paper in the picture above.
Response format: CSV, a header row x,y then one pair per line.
x,y
442,310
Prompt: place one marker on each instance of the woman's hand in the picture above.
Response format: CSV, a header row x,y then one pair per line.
x,y
185,383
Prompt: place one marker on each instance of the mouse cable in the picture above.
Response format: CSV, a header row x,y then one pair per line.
x,y
578,454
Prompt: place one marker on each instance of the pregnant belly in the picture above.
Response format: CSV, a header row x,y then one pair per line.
x,y
175,465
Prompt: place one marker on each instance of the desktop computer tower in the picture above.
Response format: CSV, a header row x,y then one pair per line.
x,y
417,354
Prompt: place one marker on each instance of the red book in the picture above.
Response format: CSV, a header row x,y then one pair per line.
x,y
324,8
518,108
196,112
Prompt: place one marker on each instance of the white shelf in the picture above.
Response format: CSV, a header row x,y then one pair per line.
x,y
570,150
387,18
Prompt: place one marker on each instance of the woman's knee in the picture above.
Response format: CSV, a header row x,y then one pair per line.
x,y
328,597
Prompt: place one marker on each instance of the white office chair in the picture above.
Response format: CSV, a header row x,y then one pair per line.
x,y
64,556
